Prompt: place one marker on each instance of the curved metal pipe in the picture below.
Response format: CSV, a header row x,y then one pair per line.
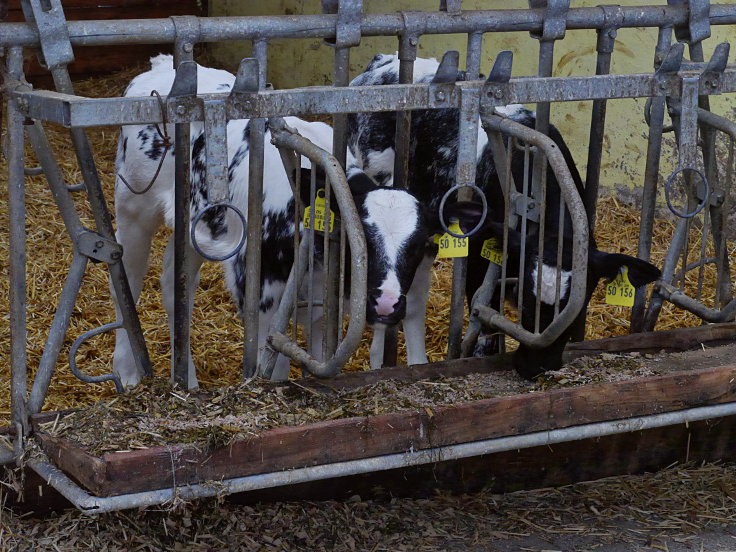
x,y
579,240
283,137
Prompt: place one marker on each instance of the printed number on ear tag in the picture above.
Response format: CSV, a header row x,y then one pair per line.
x,y
319,213
450,246
492,251
620,292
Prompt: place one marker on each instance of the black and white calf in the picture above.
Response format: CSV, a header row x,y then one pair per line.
x,y
432,161
395,223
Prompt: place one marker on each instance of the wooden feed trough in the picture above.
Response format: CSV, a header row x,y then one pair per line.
x,y
701,377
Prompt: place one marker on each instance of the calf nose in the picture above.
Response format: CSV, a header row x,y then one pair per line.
x,y
386,303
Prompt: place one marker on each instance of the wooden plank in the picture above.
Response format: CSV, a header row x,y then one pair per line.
x,y
84,468
680,339
415,372
546,466
353,438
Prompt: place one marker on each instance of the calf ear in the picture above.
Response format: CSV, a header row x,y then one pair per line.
x,y
607,265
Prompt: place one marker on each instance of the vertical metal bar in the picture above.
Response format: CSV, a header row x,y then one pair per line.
x,y
297,225
465,174
506,223
331,297
407,55
310,244
651,175
472,62
703,244
329,325
540,244
605,45
724,292
522,248
256,137
546,61
560,243
17,252
687,138
182,286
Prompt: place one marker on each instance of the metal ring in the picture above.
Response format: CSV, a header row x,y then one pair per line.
x,y
199,215
483,216
78,343
668,184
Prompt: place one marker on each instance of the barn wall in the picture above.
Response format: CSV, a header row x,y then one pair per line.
x,y
309,62
90,61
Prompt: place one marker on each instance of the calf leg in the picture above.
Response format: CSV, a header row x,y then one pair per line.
x,y
191,268
416,313
136,229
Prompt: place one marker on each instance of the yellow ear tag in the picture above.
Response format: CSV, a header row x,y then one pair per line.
x,y
492,251
450,246
620,292
319,213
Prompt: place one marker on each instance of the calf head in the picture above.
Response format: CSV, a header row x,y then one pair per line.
x,y
398,229
528,361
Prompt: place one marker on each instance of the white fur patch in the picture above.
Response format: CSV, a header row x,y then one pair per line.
x,y
380,161
549,283
395,215
391,284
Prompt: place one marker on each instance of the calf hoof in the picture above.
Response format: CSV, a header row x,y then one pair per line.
x,y
488,345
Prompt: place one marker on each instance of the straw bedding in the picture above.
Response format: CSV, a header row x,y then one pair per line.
x,y
216,332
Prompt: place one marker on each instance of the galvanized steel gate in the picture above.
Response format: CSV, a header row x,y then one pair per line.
x,y
679,86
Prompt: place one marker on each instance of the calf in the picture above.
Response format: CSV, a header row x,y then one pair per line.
x,y
432,161
396,225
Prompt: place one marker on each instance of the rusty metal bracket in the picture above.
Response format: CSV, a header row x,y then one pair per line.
x,y
613,16
349,15
53,33
698,26
98,248
187,36
555,18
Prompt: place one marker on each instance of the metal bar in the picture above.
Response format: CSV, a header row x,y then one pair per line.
x,y
93,505
74,111
332,297
472,62
679,298
467,156
254,216
358,267
651,177
57,333
17,251
407,55
103,223
579,241
217,29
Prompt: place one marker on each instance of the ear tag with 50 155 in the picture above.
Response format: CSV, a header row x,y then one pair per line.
x,y
319,213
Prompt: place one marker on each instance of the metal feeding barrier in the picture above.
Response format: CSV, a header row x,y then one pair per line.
x,y
678,87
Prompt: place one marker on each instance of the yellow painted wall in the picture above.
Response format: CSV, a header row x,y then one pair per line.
x,y
309,62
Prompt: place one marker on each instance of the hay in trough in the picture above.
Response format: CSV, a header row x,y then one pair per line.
x,y
216,330
154,414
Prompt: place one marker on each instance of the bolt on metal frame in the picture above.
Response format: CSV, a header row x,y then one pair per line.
x,y
344,23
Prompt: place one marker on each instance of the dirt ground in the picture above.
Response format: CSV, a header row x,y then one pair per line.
x,y
680,509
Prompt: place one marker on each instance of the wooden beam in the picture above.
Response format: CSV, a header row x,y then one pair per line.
x,y
362,437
